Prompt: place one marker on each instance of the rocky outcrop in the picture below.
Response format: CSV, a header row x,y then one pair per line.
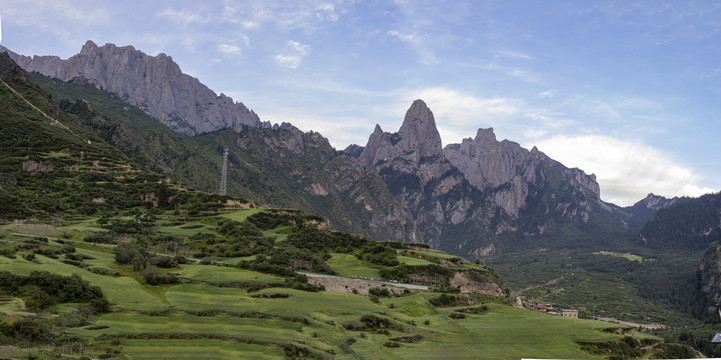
x,y
710,273
655,202
509,171
155,84
302,170
476,280
412,164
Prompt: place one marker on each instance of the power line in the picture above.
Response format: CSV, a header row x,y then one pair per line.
x,y
54,121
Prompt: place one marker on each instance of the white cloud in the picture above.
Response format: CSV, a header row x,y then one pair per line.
x,y
184,17
229,49
293,55
626,171
459,115
303,15
548,94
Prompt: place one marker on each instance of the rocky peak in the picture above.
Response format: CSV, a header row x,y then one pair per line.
x,y
416,139
510,170
8,67
89,48
153,83
418,132
485,137
486,162
655,202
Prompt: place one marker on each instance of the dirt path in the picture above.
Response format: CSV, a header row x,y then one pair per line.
x,y
631,324
343,284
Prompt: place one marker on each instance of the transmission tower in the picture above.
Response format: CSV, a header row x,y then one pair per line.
x,y
224,174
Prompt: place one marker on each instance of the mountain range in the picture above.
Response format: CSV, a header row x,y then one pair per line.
x,y
476,198
541,225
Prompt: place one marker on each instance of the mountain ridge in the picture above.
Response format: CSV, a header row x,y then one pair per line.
x,y
153,83
457,197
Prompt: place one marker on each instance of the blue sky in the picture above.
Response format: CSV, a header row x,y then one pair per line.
x,y
629,91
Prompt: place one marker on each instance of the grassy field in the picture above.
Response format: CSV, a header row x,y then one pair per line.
x,y
207,349
207,321
413,260
223,274
349,265
435,253
228,312
627,255
115,288
241,215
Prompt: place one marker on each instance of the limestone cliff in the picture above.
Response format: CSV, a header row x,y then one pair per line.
x,y
155,84
312,176
510,171
412,164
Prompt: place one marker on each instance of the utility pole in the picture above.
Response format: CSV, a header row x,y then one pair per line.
x,y
224,174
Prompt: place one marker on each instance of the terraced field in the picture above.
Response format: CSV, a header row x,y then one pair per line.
x,y
205,318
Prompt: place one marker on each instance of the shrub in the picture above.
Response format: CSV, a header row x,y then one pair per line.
x,y
381,292
155,277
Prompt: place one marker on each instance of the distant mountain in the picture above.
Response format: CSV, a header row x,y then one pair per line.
x,y
476,198
52,167
645,209
155,84
483,196
412,164
689,224
511,171
279,166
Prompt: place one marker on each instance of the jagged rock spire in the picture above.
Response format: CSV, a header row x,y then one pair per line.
x,y
419,133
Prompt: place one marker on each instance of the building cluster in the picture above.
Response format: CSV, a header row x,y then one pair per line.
x,y
545,308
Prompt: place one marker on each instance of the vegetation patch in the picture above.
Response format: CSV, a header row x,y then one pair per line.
x,y
414,339
475,310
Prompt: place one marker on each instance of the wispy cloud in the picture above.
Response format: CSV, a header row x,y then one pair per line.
x,y
419,43
184,17
293,54
286,16
229,49
548,94
512,54
627,171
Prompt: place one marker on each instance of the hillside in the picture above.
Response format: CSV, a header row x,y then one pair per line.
x,y
691,224
153,83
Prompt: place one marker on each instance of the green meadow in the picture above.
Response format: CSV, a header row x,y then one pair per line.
x,y
215,312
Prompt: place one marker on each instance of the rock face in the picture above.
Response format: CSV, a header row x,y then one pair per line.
x,y
710,273
473,199
153,83
655,202
464,196
302,170
509,170
412,164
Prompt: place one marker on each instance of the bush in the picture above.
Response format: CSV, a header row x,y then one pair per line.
x,y
165,262
381,292
100,238
155,277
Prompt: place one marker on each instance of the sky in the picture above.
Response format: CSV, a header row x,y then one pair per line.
x,y
627,90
